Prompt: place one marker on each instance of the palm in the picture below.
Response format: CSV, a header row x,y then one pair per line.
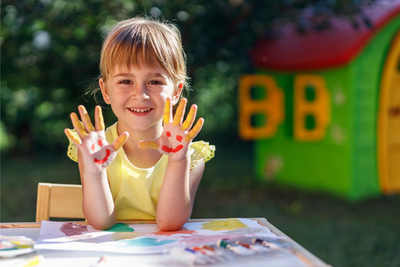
x,y
96,152
176,135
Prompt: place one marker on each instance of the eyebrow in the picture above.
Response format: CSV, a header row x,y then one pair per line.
x,y
153,74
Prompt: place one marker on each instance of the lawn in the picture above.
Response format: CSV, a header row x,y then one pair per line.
x,y
341,233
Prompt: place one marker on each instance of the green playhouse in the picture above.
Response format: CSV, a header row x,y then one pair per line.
x,y
323,108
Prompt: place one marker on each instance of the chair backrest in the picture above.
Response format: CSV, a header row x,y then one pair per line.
x,y
58,201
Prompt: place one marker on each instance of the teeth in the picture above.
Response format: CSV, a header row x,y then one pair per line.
x,y
140,110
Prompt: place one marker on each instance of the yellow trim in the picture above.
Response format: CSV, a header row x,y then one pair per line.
x,y
272,107
319,107
385,90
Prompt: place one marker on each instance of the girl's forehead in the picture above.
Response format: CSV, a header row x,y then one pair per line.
x,y
132,69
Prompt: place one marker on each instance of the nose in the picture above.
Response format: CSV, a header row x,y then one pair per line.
x,y
140,92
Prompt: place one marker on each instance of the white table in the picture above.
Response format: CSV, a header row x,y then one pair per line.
x,y
58,258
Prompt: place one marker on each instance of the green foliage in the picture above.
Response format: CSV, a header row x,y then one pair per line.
x,y
50,55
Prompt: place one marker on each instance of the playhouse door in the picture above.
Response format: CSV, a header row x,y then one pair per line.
x,y
389,121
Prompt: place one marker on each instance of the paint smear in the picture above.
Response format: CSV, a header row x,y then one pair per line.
x,y
171,150
125,235
121,227
223,225
147,242
70,229
183,230
98,161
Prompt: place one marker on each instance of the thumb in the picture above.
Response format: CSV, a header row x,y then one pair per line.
x,y
151,144
120,141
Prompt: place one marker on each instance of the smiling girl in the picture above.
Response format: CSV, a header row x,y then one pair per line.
x,y
145,166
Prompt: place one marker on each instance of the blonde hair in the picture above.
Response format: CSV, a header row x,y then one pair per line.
x,y
143,40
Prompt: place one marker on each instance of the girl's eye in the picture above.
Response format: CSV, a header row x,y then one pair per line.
x,y
125,82
155,82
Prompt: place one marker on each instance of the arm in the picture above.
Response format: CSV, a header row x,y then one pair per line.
x,y
94,155
180,184
177,194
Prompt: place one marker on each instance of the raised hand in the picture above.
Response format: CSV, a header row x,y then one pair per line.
x,y
176,136
96,152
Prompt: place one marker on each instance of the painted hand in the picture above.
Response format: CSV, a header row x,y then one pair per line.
x,y
96,152
176,137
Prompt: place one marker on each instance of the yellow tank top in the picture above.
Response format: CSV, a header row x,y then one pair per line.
x,y
135,190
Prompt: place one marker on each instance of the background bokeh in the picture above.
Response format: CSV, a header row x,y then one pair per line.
x,y
49,58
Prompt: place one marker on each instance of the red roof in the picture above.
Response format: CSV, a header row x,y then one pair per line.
x,y
332,47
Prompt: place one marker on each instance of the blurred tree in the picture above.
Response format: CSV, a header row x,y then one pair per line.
x,y
51,48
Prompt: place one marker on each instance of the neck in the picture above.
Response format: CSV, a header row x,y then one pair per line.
x,y
141,158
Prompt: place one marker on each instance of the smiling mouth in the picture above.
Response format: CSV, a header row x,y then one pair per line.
x,y
140,110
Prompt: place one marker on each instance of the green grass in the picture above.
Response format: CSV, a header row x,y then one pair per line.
x,y
339,232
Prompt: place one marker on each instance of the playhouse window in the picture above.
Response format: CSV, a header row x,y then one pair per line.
x,y
309,122
258,92
309,93
258,120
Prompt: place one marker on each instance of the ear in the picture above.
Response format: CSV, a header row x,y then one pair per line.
x,y
177,93
104,92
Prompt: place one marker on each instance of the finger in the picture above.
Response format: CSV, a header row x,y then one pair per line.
x,y
179,112
120,141
78,125
167,111
85,119
72,137
99,119
152,144
190,118
195,130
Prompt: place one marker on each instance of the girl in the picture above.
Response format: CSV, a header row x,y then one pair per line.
x,y
144,166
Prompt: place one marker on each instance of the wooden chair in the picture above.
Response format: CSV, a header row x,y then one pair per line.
x,y
58,201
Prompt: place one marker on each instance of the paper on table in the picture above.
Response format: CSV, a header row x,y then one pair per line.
x,y
143,238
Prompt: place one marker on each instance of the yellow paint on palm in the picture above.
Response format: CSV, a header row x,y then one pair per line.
x,y
167,111
223,225
120,142
99,121
86,119
189,118
78,125
148,144
73,137
179,112
196,129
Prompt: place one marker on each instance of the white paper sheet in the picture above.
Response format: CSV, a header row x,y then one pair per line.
x,y
143,238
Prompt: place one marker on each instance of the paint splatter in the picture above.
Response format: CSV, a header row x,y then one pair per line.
x,y
183,230
172,150
98,161
179,138
223,225
126,235
70,229
147,242
120,227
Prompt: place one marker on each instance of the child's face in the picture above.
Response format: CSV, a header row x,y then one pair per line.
x,y
137,96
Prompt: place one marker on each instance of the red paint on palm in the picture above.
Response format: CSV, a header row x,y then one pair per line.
x,y
172,150
108,152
